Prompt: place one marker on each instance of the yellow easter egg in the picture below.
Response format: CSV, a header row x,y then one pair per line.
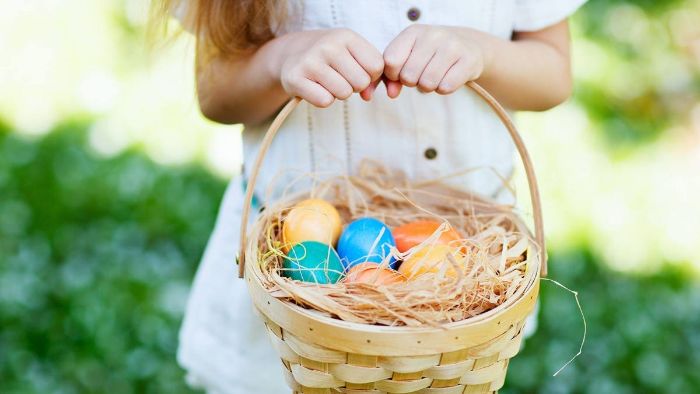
x,y
431,259
311,220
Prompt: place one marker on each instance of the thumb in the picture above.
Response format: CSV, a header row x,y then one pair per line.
x,y
369,90
393,88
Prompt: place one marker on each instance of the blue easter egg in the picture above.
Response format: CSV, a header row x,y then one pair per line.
x,y
366,240
314,262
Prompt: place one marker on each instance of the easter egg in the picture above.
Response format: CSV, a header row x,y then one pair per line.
x,y
413,233
431,259
365,240
314,262
373,273
311,220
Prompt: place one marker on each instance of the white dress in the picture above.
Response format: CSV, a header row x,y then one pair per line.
x,y
223,346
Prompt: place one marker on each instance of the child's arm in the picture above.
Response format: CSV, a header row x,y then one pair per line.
x,y
318,65
532,72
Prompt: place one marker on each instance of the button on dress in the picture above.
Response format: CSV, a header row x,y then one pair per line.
x,y
223,346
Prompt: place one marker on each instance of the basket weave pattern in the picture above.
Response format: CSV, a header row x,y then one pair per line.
x,y
314,369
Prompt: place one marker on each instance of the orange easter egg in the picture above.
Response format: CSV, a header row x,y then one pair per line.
x,y
311,220
413,233
373,273
431,259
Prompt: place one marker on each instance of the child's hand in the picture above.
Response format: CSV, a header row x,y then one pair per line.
x,y
433,58
324,65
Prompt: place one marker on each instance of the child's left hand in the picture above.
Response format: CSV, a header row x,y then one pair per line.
x,y
434,58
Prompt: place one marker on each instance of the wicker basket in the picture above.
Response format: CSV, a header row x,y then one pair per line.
x,y
325,355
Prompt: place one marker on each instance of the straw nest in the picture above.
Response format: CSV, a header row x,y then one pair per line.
x,y
497,255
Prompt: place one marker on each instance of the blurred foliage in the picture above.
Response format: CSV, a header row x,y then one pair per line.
x,y
96,259
642,332
648,75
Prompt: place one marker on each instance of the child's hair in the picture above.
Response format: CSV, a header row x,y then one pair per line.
x,y
228,27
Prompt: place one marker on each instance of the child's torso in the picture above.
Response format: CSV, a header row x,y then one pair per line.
x,y
379,21
425,135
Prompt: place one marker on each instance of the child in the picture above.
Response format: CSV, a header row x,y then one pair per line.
x,y
252,56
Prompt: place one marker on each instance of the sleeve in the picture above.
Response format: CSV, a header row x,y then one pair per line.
x,y
532,15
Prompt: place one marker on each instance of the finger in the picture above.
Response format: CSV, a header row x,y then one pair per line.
x,y
350,69
367,56
455,77
397,52
314,93
393,88
419,58
369,91
436,70
332,81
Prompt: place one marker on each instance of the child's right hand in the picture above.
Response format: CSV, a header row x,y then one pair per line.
x,y
323,65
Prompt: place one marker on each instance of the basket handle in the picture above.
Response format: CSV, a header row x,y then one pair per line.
x,y
486,96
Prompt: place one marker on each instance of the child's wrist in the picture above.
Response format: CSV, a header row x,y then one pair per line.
x,y
485,44
282,49
276,52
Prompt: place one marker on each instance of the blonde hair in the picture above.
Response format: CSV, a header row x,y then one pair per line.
x,y
228,27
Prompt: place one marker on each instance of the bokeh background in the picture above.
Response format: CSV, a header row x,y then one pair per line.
x,y
110,182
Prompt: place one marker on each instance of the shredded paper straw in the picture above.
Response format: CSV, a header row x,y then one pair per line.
x,y
493,262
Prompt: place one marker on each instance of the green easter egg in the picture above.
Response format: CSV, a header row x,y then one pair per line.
x,y
314,262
